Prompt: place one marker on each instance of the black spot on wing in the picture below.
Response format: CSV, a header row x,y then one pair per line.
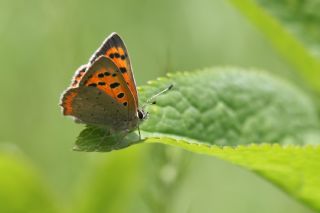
x,y
114,85
123,69
120,95
92,85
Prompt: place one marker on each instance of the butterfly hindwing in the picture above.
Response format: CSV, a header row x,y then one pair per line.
x,y
114,48
90,106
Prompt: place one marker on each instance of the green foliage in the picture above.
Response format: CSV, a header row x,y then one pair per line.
x,y
295,169
224,106
292,26
21,188
93,139
205,119
301,18
231,106
240,107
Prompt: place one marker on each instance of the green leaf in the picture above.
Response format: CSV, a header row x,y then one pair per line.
x,y
21,188
294,169
301,18
231,107
224,106
93,139
293,28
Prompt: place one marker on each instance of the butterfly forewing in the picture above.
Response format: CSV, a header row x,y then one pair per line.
x,y
78,75
105,75
114,48
103,92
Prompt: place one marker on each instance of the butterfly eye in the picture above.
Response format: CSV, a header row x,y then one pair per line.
x,y
140,114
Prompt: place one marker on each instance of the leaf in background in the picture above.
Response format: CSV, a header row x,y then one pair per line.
x,y
232,106
293,28
21,188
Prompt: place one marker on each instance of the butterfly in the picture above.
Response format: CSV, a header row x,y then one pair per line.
x,y
103,92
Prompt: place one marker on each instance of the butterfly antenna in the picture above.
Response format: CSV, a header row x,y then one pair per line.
x,y
151,100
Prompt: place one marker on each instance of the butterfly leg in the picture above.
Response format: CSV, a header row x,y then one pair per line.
x,y
139,133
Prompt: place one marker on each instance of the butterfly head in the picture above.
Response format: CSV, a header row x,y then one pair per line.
x,y
142,115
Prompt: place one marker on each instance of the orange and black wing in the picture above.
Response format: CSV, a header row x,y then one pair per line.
x,y
114,48
78,75
105,76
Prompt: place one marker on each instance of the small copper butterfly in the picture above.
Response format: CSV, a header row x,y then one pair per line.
x,y
103,92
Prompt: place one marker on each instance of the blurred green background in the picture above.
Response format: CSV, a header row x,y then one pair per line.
x,y
42,44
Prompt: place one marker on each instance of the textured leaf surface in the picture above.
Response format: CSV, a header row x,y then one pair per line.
x,y
231,106
293,28
223,106
228,107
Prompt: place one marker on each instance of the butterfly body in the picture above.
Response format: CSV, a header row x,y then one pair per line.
x,y
103,92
